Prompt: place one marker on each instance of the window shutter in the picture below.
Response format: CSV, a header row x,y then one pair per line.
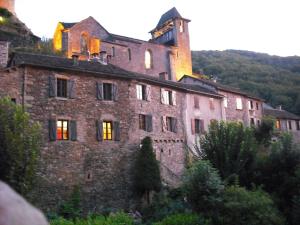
x,y
52,130
148,93
202,130
149,127
52,86
173,97
99,131
71,88
162,96
116,129
138,91
193,126
73,130
164,123
99,90
114,92
174,125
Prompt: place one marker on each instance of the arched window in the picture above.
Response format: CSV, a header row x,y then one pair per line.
x,y
84,43
148,59
129,54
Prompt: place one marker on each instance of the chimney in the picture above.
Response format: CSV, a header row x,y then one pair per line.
x,y
103,57
4,47
75,58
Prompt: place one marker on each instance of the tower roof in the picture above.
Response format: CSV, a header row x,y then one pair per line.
x,y
67,25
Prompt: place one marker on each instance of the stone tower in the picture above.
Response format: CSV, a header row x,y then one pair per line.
x,y
9,5
172,30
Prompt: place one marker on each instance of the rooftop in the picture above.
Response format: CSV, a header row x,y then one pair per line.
x,y
280,114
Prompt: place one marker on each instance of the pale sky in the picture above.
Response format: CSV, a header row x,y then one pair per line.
x,y
269,26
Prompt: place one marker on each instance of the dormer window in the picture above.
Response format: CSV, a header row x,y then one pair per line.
x,y
148,59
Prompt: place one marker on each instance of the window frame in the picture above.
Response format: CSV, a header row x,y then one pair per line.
x,y
239,103
297,125
141,90
290,127
278,124
148,59
197,126
61,87
142,122
62,138
105,130
105,92
196,102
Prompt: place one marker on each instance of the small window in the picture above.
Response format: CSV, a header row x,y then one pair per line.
x,y
298,125
225,102
163,76
252,122
197,126
181,26
142,122
141,91
169,123
239,104
62,129
62,88
129,54
251,105
290,125
196,102
107,130
113,51
257,106
168,97
107,91
278,124
148,59
84,43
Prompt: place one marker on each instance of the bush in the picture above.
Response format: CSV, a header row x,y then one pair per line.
x,y
71,208
203,186
242,207
264,132
183,219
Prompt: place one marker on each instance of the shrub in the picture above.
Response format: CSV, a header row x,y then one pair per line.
x,y
61,221
203,186
242,207
183,219
264,132
119,218
71,208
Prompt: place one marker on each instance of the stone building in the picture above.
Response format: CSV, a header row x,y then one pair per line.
x,y
167,54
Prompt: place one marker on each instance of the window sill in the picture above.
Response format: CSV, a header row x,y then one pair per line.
x,y
62,98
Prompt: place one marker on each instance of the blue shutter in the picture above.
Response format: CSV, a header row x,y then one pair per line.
x,y
149,126
99,130
52,86
52,130
99,90
73,130
116,129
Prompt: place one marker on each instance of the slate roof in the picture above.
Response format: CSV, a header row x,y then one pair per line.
x,y
96,68
67,25
169,15
281,114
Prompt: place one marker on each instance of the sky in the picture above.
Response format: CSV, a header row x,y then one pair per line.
x,y
267,26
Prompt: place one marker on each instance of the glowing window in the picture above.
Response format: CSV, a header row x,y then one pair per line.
x,y
107,130
148,59
62,129
239,104
84,43
278,125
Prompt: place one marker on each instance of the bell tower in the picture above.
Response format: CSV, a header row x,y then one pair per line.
x,y
172,30
9,5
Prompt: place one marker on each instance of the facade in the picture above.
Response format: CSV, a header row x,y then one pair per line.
x,y
167,54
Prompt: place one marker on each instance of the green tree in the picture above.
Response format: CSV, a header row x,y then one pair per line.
x,y
19,146
264,132
231,149
203,186
146,170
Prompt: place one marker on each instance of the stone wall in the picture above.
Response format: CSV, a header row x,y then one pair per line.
x,y
3,53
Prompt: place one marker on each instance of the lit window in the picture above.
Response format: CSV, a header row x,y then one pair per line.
x,y
225,102
84,43
129,54
141,92
278,125
61,88
239,104
62,130
107,130
107,91
148,59
142,122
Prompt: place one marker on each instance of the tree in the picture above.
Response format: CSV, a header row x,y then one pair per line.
x,y
146,170
231,149
19,146
264,132
203,186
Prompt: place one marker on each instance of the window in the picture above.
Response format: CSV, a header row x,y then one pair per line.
x,y
107,91
211,104
141,91
225,102
163,76
107,130
113,51
62,129
298,125
129,54
148,59
196,102
258,122
252,122
251,105
239,104
168,97
278,124
197,126
142,122
181,26
257,106
13,100
169,124
84,43
62,88
290,125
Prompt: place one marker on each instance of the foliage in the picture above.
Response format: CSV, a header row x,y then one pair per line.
x,y
295,215
264,132
231,149
203,186
72,208
242,207
183,219
119,218
5,13
146,170
19,146
259,74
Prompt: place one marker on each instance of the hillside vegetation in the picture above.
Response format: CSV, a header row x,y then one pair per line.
x,y
273,78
